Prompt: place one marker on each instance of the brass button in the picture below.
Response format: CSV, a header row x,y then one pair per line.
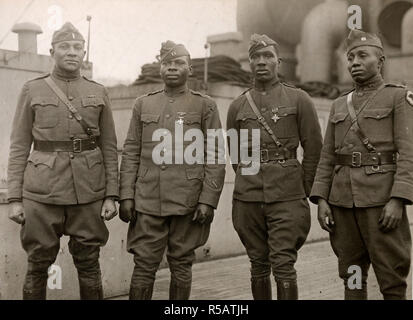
x,y
168,116
70,98
263,109
70,116
171,100
163,167
71,156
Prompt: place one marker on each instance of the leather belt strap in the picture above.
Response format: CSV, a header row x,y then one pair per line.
x,y
60,94
267,155
75,145
358,159
262,121
353,117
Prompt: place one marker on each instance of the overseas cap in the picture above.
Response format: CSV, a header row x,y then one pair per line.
x,y
170,50
66,33
258,42
357,38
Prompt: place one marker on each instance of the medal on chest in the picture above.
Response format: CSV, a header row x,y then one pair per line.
x,y
275,116
181,117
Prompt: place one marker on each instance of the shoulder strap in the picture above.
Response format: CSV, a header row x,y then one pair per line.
x,y
69,106
354,123
262,120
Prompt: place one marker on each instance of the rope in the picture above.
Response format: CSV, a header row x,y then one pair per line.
x,y
225,69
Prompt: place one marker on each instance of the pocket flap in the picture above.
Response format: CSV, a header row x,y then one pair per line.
x,y
93,158
285,111
46,158
245,116
380,169
142,171
192,118
195,173
338,117
377,113
149,117
45,101
92,102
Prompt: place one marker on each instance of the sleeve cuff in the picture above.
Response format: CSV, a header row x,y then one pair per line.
x,y
319,190
209,199
403,191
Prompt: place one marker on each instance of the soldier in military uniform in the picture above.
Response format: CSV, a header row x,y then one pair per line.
x,y
168,204
270,211
365,176
68,184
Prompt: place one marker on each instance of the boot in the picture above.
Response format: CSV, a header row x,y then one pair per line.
x,y
179,291
355,294
261,288
138,293
35,282
90,293
86,260
287,290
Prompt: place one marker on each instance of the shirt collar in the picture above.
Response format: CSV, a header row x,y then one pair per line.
x,y
64,75
372,84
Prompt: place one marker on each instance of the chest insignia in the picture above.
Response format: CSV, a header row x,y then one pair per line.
x,y
275,117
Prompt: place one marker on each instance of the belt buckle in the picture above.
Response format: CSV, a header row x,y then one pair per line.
x,y
356,159
77,145
267,156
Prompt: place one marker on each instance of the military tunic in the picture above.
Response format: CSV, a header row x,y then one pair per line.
x,y
296,123
169,189
62,178
385,121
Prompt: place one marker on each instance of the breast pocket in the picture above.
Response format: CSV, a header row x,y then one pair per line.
x,y
340,127
46,114
150,122
247,121
91,109
378,124
192,121
286,124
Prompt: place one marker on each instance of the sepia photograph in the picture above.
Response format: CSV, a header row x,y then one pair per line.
x,y
219,151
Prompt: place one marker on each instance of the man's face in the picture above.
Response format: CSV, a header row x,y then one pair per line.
x,y
264,64
364,63
68,55
175,72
